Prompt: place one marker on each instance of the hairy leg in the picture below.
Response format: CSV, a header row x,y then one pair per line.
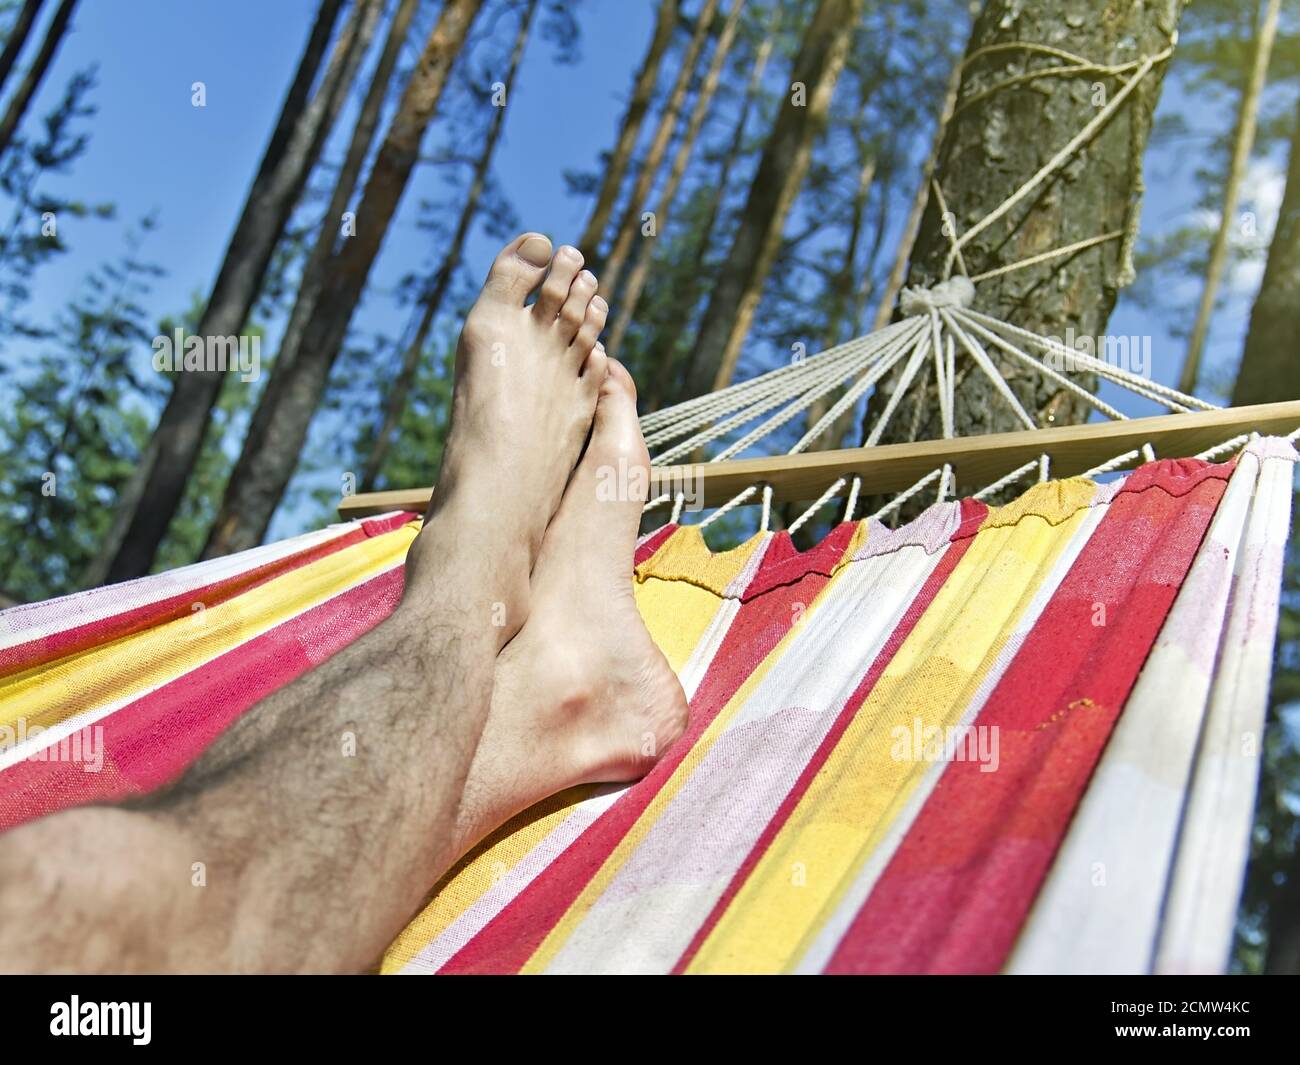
x,y
277,852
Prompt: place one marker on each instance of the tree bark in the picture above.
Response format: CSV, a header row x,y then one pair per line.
x,y
250,498
17,38
994,143
611,266
1243,142
396,398
269,469
36,72
780,174
1268,369
644,253
661,388
629,130
907,240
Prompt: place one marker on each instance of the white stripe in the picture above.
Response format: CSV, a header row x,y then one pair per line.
x,y
1214,840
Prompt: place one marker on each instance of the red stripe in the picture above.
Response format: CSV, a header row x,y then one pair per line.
x,y
152,740
103,630
956,893
506,943
972,514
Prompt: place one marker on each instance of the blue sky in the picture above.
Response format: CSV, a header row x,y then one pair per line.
x,y
151,150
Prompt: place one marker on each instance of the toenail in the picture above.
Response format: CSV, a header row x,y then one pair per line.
x,y
570,252
599,303
535,250
588,278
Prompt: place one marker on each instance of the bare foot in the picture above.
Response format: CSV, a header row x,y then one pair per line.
x,y
582,694
527,377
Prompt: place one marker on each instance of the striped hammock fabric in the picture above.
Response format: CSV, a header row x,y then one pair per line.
x,y
1021,738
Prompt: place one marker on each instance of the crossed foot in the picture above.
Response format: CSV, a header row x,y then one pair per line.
x,y
542,423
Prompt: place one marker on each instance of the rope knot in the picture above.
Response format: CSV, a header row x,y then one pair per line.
x,y
957,291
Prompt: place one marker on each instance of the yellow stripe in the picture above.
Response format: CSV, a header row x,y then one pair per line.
x,y
856,795
573,917
116,670
685,556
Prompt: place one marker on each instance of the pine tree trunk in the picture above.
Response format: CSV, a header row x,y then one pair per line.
x,y
629,131
631,292
611,266
1269,370
151,498
1243,141
781,171
662,390
239,523
993,145
36,72
396,398
269,468
17,38
907,239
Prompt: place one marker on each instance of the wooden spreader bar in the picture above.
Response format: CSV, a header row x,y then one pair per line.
x,y
976,460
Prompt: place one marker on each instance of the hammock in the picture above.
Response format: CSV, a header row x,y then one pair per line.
x,y
1016,738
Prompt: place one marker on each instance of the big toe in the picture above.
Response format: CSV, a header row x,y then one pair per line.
x,y
518,269
616,430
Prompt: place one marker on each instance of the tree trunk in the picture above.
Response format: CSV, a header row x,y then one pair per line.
x,y
1243,141
395,400
781,171
907,239
269,469
236,527
611,267
36,72
994,144
644,253
661,388
633,117
148,503
1268,362
17,38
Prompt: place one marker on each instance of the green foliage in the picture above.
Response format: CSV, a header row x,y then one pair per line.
x,y
74,429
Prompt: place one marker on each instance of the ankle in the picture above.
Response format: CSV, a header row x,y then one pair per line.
x,y
469,565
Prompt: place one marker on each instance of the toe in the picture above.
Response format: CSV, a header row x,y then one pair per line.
x,y
574,312
518,269
594,369
619,381
555,289
592,325
616,430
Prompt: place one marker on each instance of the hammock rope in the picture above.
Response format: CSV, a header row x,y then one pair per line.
x,y
934,323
